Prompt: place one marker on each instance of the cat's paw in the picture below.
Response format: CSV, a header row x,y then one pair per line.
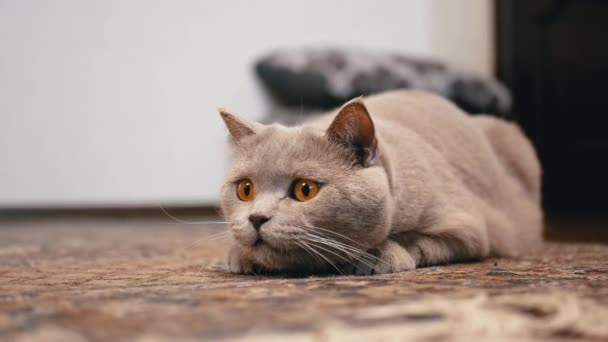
x,y
238,263
391,258
394,258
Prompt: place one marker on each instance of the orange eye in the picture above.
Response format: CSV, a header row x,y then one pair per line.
x,y
245,190
305,189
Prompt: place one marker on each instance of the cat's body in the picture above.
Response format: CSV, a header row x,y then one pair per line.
x,y
423,184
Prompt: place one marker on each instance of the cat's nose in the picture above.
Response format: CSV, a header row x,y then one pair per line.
x,y
258,220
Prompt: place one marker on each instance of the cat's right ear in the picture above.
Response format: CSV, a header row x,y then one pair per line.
x,y
238,127
353,128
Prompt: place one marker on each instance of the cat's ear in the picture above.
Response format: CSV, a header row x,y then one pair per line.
x,y
238,127
353,128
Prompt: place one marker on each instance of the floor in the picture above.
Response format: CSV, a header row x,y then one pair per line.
x,y
152,279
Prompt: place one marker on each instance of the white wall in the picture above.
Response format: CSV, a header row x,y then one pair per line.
x,y
113,102
462,33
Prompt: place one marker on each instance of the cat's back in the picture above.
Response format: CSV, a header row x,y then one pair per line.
x,y
437,123
400,114
433,118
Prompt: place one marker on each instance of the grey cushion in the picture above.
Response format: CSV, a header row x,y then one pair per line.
x,y
325,78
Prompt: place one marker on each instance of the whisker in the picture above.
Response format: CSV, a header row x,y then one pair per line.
x,y
202,240
320,246
219,236
325,258
338,234
190,222
356,258
193,244
306,249
350,256
354,249
352,252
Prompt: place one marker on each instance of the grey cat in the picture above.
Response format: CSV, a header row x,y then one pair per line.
x,y
384,184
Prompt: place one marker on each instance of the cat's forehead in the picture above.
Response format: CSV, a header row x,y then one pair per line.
x,y
286,151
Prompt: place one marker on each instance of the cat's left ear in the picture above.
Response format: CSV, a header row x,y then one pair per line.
x,y
238,127
353,128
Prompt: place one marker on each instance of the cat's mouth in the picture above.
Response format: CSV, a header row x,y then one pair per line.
x,y
258,242
268,245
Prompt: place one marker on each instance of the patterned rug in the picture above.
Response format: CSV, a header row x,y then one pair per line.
x,y
148,280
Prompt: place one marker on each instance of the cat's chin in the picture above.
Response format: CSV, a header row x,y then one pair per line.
x,y
263,247
265,259
277,258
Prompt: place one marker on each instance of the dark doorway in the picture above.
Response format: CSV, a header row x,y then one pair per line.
x,y
554,57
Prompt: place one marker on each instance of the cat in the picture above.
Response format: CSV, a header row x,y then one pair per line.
x,y
384,184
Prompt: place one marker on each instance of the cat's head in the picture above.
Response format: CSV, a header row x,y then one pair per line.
x,y
306,197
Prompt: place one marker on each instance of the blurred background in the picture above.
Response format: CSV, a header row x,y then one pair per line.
x,y
112,104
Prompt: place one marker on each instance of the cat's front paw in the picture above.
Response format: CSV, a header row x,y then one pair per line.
x,y
237,262
394,258
390,258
